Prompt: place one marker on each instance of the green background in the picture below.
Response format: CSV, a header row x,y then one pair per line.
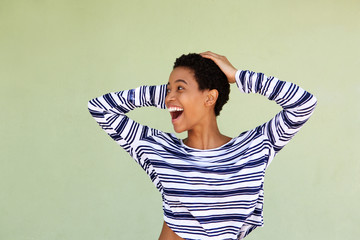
x,y
62,177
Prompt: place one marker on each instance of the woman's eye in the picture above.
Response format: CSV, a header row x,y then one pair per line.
x,y
180,88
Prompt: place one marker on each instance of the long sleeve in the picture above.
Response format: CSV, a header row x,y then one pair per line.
x,y
297,104
109,112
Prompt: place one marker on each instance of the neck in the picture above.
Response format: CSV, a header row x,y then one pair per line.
x,y
206,136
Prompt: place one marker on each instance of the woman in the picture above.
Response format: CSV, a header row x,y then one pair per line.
x,y
211,184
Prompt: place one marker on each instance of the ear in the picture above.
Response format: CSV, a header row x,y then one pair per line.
x,y
211,97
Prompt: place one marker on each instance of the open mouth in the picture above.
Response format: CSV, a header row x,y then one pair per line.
x,y
175,112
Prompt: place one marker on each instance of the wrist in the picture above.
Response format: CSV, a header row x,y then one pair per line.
x,y
232,77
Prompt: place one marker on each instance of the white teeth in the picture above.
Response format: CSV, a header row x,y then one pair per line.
x,y
175,109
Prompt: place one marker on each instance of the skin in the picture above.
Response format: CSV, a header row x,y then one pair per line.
x,y
198,117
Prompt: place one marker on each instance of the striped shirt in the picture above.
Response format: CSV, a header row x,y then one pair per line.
x,y
212,194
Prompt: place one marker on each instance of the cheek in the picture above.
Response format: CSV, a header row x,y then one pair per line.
x,y
194,105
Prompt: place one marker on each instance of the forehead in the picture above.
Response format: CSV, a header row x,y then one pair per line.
x,y
182,73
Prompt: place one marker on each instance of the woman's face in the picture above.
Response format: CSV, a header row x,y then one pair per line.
x,y
184,100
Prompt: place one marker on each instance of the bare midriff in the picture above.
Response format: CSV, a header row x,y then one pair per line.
x,y
168,234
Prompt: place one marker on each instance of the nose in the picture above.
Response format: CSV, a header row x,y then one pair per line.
x,y
169,97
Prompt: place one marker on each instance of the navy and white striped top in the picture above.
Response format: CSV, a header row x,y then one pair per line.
x,y
212,194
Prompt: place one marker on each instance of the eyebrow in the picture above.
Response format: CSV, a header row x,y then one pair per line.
x,y
179,80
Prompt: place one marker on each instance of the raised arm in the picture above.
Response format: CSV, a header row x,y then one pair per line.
x,y
298,104
109,112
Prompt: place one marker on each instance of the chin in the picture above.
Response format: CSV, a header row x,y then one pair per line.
x,y
179,130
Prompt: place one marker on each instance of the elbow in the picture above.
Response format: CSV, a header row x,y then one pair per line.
x,y
312,104
90,106
93,109
314,100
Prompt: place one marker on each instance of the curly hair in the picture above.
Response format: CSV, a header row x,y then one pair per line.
x,y
208,76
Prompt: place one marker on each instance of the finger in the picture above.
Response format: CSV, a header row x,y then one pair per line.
x,y
210,54
206,52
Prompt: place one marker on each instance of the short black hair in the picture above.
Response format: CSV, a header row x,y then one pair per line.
x,y
208,76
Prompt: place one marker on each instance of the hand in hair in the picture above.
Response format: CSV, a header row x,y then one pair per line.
x,y
223,63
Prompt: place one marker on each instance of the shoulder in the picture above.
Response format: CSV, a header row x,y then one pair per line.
x,y
250,135
159,137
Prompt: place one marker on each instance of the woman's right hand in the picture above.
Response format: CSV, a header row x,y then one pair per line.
x,y
223,63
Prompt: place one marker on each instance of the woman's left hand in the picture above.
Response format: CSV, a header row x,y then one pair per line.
x,y
223,63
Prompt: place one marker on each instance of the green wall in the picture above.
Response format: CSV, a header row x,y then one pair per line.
x,y
62,177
